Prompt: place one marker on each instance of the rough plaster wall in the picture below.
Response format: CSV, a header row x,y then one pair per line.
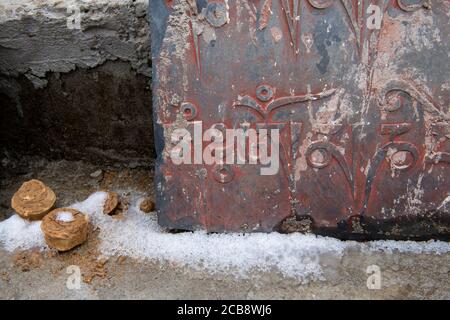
x,y
76,93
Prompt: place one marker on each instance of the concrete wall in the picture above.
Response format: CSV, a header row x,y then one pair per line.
x,y
75,80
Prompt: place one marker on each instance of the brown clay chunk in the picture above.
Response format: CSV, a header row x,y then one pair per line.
x,y
33,200
65,228
111,203
147,205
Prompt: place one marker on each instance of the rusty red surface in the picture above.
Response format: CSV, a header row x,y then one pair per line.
x,y
358,89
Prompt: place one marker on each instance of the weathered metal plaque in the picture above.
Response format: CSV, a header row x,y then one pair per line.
x,y
359,94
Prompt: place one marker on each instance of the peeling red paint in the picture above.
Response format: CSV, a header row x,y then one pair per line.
x,y
363,122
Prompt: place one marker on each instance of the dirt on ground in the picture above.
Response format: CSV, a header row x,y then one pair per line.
x,y
33,274
73,181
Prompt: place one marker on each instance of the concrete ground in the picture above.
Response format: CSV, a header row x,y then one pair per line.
x,y
35,275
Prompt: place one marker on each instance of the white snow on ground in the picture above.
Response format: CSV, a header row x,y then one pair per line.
x,y
139,236
64,216
18,233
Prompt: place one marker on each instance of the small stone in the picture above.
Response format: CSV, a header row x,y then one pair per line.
x,y
111,203
133,165
121,259
122,207
292,224
101,262
27,260
65,234
33,200
96,174
147,205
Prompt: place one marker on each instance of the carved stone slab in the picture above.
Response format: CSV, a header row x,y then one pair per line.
x,y
358,90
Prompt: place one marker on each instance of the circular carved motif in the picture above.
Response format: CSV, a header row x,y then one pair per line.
x,y
318,157
321,4
412,5
189,111
402,160
216,14
223,173
264,93
395,100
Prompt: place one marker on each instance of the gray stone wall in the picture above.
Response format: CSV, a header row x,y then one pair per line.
x,y
75,80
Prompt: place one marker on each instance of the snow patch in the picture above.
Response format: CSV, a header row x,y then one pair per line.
x,y
64,216
139,236
18,233
391,246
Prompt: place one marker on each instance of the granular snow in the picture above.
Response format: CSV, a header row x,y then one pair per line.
x,y
64,216
18,233
139,236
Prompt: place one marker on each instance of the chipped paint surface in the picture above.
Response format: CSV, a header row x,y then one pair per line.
x,y
364,136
